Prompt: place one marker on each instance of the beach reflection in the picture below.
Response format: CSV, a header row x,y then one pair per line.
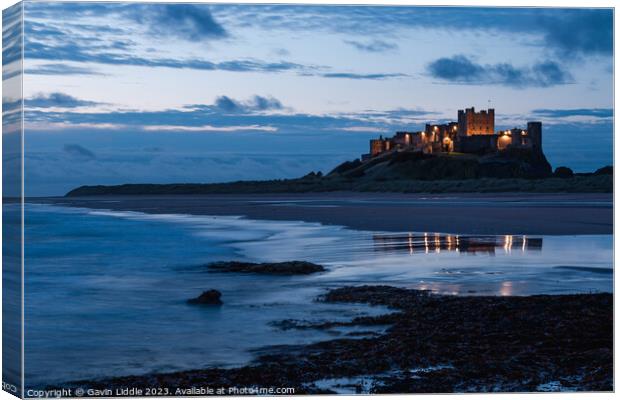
x,y
501,288
437,242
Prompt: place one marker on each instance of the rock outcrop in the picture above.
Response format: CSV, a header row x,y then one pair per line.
x,y
209,297
416,165
279,268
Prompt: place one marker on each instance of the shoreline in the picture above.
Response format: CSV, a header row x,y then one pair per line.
x,y
493,214
435,344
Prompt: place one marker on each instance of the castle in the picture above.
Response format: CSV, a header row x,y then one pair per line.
x,y
474,132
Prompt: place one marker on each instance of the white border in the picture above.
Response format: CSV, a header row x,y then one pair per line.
x,y
539,3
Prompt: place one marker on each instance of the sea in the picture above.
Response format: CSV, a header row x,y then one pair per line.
x,y
106,291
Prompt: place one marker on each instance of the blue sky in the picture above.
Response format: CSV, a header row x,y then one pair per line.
x,y
120,92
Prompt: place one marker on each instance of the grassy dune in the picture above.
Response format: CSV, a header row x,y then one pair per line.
x,y
577,184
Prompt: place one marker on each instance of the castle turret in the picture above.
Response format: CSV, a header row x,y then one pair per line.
x,y
534,131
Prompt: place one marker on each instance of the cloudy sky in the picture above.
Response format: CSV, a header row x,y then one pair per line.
x,y
127,93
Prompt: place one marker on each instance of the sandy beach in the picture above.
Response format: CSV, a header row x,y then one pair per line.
x,y
522,213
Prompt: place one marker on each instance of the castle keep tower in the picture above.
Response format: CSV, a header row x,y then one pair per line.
x,y
471,122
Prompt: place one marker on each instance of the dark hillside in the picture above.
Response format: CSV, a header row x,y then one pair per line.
x,y
419,166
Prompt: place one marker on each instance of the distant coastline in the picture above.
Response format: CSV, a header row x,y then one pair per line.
x,y
579,183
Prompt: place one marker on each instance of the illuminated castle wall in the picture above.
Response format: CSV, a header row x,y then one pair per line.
x,y
473,133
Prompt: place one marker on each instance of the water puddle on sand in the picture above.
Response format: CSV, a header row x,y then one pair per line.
x,y
364,384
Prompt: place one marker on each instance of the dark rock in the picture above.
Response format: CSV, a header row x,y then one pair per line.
x,y
280,268
312,175
515,163
563,172
436,344
607,170
210,297
415,165
345,167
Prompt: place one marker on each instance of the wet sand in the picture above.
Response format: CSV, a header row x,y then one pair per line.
x,y
522,213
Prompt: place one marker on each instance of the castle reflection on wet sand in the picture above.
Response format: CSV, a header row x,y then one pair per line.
x,y
437,242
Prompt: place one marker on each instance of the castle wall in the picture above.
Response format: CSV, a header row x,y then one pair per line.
x,y
378,146
476,143
504,141
402,138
